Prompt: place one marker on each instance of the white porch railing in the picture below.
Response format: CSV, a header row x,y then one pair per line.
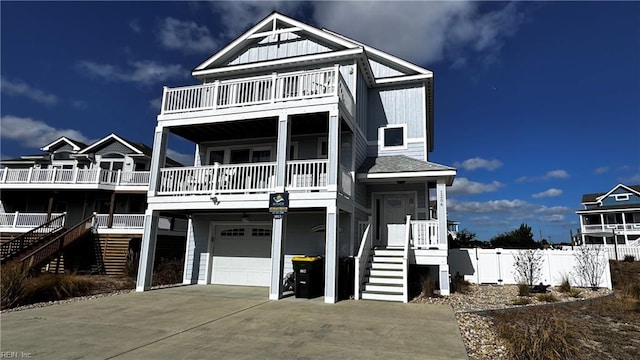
x,y
73,176
424,233
256,90
361,261
120,221
307,174
609,227
18,220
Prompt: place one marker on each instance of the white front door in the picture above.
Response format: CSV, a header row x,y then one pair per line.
x,y
395,208
242,255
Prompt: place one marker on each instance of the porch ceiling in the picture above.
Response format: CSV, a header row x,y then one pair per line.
x,y
254,128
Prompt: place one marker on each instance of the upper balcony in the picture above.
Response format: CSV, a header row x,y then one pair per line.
x,y
37,178
275,89
618,228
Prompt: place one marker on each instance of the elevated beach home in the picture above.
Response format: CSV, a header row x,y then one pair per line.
x,y
80,207
337,131
612,216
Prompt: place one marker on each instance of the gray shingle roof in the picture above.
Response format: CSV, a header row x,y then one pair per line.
x,y
398,164
588,198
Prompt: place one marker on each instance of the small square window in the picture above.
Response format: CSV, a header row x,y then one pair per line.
x,y
623,197
393,136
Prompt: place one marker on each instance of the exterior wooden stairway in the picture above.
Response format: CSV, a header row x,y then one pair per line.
x,y
53,246
32,239
386,276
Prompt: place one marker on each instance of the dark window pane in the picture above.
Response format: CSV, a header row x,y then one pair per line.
x,y
216,157
239,156
394,136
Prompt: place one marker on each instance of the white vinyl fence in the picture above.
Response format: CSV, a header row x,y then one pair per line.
x,y
496,266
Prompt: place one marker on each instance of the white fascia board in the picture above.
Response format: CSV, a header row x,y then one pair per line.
x,y
415,174
273,17
48,146
403,79
599,198
338,55
276,32
107,138
598,211
385,56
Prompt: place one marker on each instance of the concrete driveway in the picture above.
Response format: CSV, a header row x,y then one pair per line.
x,y
228,322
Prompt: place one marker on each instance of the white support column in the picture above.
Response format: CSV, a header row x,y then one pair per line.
x,y
602,227
441,196
333,149
581,230
278,241
444,279
158,158
331,256
282,151
148,250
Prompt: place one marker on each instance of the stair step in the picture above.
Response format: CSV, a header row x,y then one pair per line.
x,y
387,266
388,259
385,280
388,252
386,273
384,288
382,296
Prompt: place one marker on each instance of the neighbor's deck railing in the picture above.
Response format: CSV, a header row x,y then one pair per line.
x,y
273,88
73,176
424,233
120,221
242,178
609,227
21,220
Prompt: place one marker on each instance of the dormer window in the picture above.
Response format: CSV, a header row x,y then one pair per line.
x,y
393,137
622,197
62,155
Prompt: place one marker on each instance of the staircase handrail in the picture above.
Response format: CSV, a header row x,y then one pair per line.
x,y
55,246
361,261
31,237
405,261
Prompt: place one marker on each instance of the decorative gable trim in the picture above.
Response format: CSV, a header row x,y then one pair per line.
x,y
606,195
72,143
113,137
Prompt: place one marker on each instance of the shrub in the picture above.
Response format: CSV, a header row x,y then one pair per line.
x,y
631,290
547,297
590,265
537,334
521,301
168,272
565,285
574,293
629,258
51,287
12,286
523,289
528,266
459,284
428,287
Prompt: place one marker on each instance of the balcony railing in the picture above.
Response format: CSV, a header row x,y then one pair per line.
x,y
424,233
242,178
19,220
73,176
610,227
120,221
274,88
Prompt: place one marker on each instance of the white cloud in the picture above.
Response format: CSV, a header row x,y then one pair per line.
x,y
479,163
184,159
20,88
464,186
34,133
552,210
601,170
134,25
547,193
511,209
155,104
79,104
143,72
553,174
632,179
450,30
553,218
186,36
238,16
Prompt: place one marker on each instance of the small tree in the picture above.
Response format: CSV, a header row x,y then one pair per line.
x,y
528,266
590,265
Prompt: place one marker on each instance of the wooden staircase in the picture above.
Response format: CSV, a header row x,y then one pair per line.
x,y
52,246
23,244
386,276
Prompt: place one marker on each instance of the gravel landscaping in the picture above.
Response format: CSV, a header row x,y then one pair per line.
x,y
477,331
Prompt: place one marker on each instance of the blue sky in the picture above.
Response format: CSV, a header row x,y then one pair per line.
x,y
535,103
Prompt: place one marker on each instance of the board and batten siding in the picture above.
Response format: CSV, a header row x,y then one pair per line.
x,y
397,105
114,147
415,149
382,71
285,45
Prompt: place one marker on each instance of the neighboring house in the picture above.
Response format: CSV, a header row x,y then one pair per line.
x,y
70,185
609,215
342,128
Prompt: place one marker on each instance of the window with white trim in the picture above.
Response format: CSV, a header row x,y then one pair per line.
x,y
393,137
622,197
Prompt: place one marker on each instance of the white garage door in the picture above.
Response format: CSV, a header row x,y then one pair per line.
x,y
242,256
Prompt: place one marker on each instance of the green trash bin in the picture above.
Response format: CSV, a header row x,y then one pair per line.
x,y
309,273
